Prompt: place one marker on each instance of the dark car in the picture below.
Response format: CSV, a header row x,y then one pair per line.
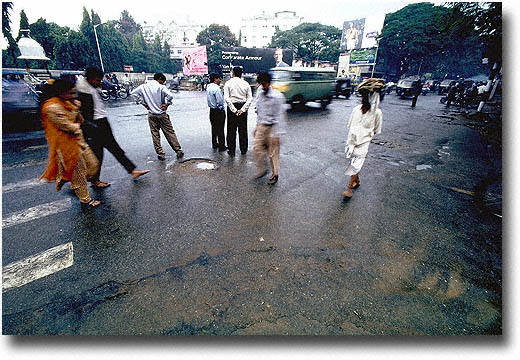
x,y
445,85
20,102
405,87
343,87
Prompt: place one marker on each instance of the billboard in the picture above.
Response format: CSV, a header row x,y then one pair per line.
x,y
373,27
343,68
254,60
363,57
361,33
195,61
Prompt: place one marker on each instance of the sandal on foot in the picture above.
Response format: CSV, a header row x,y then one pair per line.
x,y
91,204
99,185
356,185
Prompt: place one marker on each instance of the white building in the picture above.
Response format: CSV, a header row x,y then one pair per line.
x,y
259,30
179,36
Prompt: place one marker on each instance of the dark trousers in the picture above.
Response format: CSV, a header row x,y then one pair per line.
x,y
217,118
98,135
414,100
235,123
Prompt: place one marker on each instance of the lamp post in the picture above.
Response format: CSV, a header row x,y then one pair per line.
x,y
99,50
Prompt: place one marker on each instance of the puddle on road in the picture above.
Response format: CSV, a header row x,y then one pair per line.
x,y
423,167
199,164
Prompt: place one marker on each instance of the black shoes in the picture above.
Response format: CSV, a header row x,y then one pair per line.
x,y
273,180
180,154
161,157
232,154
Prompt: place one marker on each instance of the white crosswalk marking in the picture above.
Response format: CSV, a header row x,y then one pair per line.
x,y
22,185
36,212
35,267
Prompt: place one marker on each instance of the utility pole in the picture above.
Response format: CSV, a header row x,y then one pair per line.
x,y
99,50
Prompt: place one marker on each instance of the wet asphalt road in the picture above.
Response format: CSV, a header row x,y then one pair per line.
x,y
185,250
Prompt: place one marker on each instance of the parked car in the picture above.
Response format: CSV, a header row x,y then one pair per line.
x,y
301,85
20,102
445,85
405,87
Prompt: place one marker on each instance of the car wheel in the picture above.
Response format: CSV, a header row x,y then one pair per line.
x,y
297,102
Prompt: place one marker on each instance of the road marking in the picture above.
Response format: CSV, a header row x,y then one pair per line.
x,y
36,212
22,185
35,267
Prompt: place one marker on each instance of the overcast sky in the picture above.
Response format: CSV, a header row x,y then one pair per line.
x,y
329,12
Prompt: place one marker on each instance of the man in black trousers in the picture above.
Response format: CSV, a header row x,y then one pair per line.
x,y
217,113
96,128
238,97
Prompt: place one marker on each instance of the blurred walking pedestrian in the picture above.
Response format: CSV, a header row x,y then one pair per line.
x,y
270,125
70,159
96,127
217,112
238,97
364,123
156,98
416,91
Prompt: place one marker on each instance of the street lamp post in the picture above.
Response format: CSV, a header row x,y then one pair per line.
x,y
99,50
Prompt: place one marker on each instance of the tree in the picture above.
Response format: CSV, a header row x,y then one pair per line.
x,y
215,37
411,38
486,19
24,24
311,41
156,45
9,55
6,17
46,34
128,27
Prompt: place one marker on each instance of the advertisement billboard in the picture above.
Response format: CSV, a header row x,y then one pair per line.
x,y
363,57
373,28
343,68
195,61
254,60
361,33
352,35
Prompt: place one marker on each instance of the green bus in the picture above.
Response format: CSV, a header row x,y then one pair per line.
x,y
300,85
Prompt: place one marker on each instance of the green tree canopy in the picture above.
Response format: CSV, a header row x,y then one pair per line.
x,y
215,37
310,41
128,27
424,38
24,24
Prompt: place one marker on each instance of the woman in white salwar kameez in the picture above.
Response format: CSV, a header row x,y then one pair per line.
x,y
364,123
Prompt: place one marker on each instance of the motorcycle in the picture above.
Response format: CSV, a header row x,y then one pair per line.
x,y
116,91
425,90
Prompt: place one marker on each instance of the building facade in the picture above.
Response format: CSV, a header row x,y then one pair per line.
x,y
257,31
180,37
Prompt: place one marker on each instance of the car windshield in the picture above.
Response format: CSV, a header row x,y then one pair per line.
x,y
446,82
407,83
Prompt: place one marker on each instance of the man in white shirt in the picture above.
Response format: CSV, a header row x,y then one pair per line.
x,y
238,97
156,98
270,124
217,112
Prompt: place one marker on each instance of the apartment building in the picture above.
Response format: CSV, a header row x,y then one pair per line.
x,y
257,31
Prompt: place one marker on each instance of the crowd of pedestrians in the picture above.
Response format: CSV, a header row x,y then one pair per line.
x,y
77,128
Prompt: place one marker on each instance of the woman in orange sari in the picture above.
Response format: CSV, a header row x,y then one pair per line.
x,y
70,158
